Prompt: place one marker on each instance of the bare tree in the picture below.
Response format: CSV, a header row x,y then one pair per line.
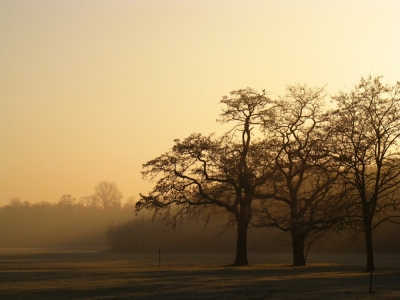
x,y
66,201
367,130
304,195
107,194
90,201
218,174
15,202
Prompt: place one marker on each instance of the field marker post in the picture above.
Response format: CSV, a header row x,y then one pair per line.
x,y
370,282
159,257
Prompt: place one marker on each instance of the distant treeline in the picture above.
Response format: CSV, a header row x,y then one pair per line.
x,y
76,224
62,224
143,235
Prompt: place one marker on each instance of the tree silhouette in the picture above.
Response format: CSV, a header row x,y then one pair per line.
x,y
365,142
304,196
107,194
216,174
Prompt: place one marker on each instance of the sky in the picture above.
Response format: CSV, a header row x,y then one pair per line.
x,y
90,90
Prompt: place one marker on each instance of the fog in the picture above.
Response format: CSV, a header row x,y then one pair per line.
x,y
54,225
120,229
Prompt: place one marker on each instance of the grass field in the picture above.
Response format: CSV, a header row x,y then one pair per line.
x,y
45,274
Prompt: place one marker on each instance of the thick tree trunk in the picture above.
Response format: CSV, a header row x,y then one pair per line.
x,y
369,248
298,250
241,244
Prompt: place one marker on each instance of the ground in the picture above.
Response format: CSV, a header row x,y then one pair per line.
x,y
116,276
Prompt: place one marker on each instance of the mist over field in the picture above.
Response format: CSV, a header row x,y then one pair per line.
x,y
119,229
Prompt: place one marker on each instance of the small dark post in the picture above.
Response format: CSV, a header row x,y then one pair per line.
x,y
370,282
159,257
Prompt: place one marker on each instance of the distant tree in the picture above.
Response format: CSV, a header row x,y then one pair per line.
x,y
218,174
43,205
107,194
366,143
66,200
15,202
90,201
304,196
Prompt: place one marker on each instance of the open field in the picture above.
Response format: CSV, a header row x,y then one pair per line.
x,y
91,274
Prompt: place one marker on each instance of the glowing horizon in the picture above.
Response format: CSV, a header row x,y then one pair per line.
x,y
92,90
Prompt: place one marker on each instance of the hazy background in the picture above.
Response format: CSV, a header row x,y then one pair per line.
x,y
90,90
62,224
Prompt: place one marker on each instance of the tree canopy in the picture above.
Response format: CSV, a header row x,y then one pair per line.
x,y
215,173
366,143
290,163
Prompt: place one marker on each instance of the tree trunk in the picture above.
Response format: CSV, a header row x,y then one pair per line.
x,y
369,247
298,250
241,244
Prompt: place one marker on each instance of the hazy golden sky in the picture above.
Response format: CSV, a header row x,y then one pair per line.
x,y
90,90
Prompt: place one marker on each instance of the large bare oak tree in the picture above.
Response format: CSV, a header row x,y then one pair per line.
x,y
304,196
215,173
366,143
